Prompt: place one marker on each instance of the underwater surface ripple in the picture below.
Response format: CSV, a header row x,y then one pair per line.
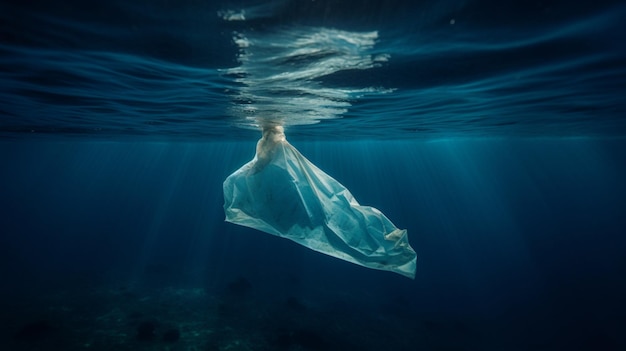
x,y
461,68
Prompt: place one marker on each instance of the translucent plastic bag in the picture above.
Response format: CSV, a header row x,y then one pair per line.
x,y
282,193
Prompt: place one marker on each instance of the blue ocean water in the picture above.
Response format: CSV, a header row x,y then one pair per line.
x,y
390,69
494,132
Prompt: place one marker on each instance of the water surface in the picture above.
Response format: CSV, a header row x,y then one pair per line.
x,y
364,69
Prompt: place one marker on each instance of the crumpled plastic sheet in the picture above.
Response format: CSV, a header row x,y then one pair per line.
x,y
282,193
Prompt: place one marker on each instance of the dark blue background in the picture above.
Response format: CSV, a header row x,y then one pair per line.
x,y
519,241
500,147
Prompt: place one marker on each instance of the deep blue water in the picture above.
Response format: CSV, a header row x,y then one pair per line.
x,y
392,69
494,133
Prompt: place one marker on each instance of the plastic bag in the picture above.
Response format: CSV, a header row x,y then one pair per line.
x,y
282,193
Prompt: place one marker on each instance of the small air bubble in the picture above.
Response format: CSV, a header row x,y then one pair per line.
x,y
452,21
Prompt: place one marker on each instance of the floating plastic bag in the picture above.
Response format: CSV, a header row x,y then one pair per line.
x,y
282,193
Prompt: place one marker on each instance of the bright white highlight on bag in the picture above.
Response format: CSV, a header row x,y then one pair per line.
x,y
282,193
